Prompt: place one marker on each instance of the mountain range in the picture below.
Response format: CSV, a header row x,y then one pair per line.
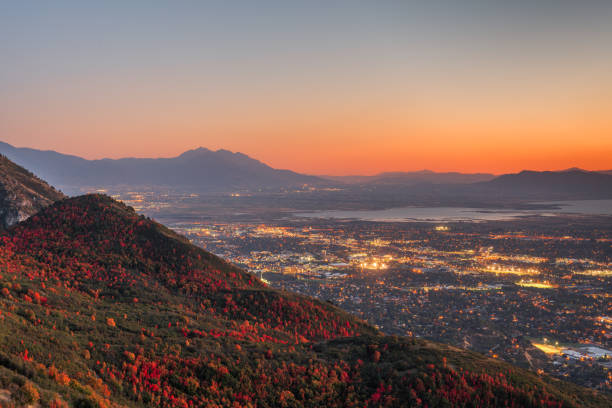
x,y
102,307
203,171
415,177
566,184
198,170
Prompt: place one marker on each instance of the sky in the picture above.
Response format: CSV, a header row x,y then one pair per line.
x,y
321,87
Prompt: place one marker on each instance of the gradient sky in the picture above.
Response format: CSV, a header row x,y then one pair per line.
x,y
324,87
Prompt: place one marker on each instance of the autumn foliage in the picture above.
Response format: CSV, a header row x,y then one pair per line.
x,y
178,327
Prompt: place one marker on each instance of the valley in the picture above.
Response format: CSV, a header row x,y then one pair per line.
x,y
496,287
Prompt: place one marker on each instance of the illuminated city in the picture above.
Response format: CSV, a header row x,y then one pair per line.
x,y
534,292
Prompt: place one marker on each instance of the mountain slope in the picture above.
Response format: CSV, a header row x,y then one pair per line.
x,y
22,193
572,183
198,170
102,307
122,249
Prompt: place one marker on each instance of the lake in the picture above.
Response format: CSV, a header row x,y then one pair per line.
x,y
437,214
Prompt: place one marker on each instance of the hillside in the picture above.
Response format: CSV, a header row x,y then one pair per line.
x,y
102,307
569,184
22,193
198,170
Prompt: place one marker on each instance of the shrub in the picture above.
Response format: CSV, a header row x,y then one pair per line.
x,y
27,394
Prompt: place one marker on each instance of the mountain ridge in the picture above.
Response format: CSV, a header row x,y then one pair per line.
x,y
196,170
414,177
22,194
560,184
202,170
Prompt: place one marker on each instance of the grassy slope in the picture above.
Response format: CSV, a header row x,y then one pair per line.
x,y
102,307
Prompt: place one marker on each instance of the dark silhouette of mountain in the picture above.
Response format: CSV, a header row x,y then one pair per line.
x,y
102,307
22,193
580,169
198,170
570,184
413,178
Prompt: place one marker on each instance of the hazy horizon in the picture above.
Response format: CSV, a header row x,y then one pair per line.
x,y
314,174
342,88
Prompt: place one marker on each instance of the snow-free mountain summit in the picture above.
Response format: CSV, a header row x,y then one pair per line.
x,y
197,170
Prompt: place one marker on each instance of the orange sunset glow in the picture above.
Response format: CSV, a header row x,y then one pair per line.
x,y
358,95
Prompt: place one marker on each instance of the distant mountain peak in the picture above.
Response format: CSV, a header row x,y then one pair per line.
x,y
196,170
198,151
567,170
225,151
194,152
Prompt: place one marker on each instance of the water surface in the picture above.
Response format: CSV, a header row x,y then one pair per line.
x,y
436,214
